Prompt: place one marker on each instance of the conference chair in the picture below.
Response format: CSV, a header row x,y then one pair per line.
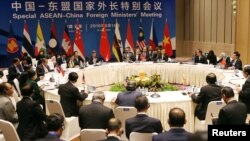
x,y
135,136
72,129
8,130
123,113
213,110
93,134
5,75
17,87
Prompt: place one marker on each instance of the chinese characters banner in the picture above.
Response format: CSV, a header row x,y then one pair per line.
x,y
90,15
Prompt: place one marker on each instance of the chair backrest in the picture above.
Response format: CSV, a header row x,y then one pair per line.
x,y
135,136
54,106
16,83
93,134
8,130
213,110
124,112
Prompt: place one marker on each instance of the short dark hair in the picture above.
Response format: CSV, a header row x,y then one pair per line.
x,y
31,73
227,91
27,90
3,88
246,70
141,103
131,85
55,122
1,73
15,60
211,78
114,124
177,117
237,54
73,76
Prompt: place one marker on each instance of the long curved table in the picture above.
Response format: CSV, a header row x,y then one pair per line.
x,y
170,72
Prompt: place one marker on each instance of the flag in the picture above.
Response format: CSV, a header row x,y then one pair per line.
x,y
153,41
27,45
66,42
104,44
141,43
78,44
60,70
53,41
40,44
129,39
117,44
166,43
12,46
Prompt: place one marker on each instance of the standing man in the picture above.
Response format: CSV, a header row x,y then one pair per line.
x,y
69,95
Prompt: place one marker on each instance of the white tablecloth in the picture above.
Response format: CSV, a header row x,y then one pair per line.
x,y
159,107
170,72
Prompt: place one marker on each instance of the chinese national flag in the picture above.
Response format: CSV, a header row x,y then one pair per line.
x,y
104,44
166,43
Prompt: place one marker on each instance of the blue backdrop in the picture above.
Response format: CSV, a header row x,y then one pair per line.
x,y
90,15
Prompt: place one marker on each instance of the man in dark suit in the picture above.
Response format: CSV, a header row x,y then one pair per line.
x,y
128,98
78,59
162,56
234,112
208,93
199,57
244,93
95,115
128,55
114,130
14,70
236,63
55,127
142,123
176,120
42,68
31,117
69,95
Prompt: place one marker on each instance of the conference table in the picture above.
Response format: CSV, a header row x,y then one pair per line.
x,y
108,74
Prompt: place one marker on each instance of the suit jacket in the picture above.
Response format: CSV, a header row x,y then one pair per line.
x,y
91,60
13,73
51,136
111,138
208,93
69,96
212,59
128,56
164,58
31,119
7,110
127,98
202,59
237,64
78,60
40,70
233,113
174,134
244,94
95,116
37,92
142,123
